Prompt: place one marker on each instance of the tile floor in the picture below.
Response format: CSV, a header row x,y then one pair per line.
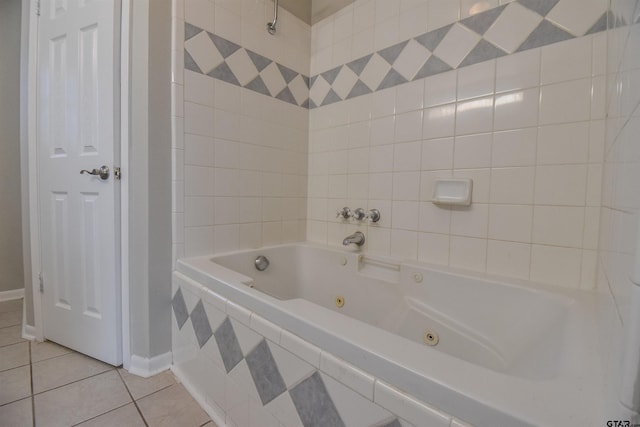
x,y
46,385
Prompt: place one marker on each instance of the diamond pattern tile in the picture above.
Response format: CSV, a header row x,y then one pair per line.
x,y
204,52
344,82
314,404
228,345
179,308
513,27
265,373
201,325
517,26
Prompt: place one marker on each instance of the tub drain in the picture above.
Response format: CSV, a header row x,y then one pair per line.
x,y
431,337
339,301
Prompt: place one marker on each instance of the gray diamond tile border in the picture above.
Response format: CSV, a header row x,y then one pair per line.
x,y
201,324
265,373
180,308
546,33
314,404
228,345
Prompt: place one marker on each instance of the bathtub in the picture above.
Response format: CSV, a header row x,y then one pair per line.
x,y
470,347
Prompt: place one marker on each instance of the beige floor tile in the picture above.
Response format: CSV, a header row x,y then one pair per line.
x,y
126,416
11,318
16,384
210,424
140,387
80,401
18,414
46,350
11,335
13,305
62,370
170,407
13,356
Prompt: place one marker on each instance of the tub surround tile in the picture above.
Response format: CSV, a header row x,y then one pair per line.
x,y
408,408
228,345
346,373
201,325
304,350
179,308
265,328
518,26
314,404
265,373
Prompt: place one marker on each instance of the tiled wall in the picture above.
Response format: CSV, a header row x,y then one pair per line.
x,y
621,185
528,127
248,372
240,157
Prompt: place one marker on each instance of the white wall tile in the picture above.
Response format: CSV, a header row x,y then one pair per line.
x,y
512,185
468,253
564,185
565,102
556,266
558,226
509,259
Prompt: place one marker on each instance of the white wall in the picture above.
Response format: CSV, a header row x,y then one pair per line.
x,y
528,128
11,264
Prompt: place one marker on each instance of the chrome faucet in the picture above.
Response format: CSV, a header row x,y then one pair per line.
x,y
357,238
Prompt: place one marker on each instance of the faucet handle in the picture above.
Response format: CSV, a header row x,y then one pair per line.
x,y
373,215
344,213
359,214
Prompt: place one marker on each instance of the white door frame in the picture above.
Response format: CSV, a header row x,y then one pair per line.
x,y
33,215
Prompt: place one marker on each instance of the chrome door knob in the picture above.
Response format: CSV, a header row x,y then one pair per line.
x,y
103,172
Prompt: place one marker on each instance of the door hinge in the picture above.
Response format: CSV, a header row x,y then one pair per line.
x,y
38,8
41,280
117,173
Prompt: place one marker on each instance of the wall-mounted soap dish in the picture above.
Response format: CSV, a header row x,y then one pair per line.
x,y
452,192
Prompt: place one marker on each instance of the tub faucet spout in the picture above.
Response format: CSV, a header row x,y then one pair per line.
x,y
357,238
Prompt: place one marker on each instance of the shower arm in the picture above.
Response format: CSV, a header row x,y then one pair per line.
x,y
271,26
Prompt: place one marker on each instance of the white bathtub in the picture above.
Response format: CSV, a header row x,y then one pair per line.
x,y
509,353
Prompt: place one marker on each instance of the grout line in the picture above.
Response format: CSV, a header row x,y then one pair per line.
x,y
73,382
33,400
99,415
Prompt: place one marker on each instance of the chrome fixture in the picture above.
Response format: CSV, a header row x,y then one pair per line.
x,y
271,26
357,238
373,215
261,263
344,213
359,214
103,172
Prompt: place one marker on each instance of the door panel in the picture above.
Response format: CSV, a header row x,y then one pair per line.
x,y
77,120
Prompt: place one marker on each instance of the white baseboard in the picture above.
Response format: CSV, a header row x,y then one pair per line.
x,y
216,414
148,367
12,294
28,332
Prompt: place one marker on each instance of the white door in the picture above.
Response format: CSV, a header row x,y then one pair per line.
x,y
78,83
